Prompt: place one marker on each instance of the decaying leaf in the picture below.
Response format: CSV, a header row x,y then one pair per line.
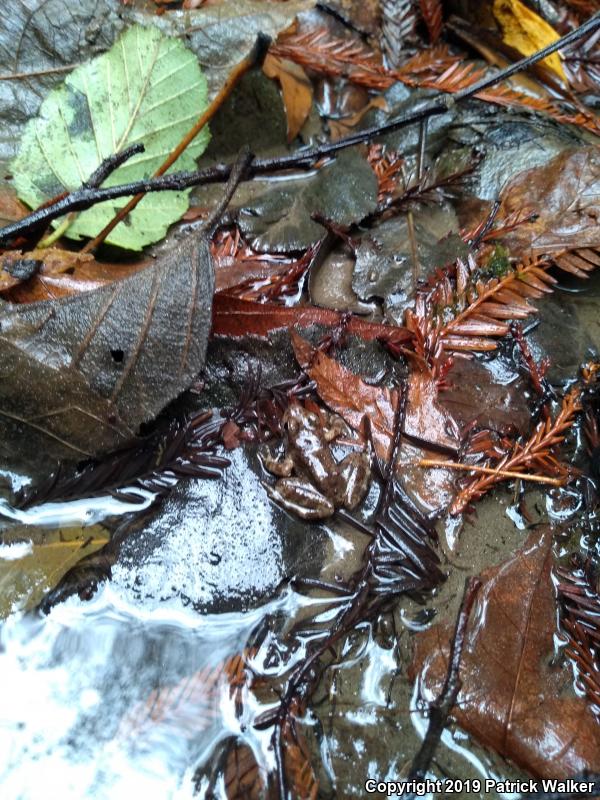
x,y
296,89
234,318
527,32
33,562
565,194
121,98
516,697
108,360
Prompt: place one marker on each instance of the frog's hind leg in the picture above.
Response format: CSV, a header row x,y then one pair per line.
x,y
300,498
355,477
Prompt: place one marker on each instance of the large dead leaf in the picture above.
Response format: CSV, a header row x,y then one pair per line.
x,y
81,374
565,193
235,318
515,698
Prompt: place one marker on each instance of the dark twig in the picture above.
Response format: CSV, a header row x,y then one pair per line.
x,y
110,164
442,706
85,198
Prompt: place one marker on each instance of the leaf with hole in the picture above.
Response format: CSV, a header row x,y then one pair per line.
x,y
108,360
147,88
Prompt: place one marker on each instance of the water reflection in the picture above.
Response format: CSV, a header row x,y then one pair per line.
x,y
78,698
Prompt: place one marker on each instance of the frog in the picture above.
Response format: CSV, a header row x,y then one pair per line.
x,y
312,484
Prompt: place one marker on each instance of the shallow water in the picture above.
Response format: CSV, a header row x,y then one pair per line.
x,y
126,694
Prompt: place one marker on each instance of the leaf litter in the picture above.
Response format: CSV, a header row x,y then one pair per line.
x,y
105,343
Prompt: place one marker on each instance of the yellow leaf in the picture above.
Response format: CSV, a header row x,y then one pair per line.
x,y
526,32
26,576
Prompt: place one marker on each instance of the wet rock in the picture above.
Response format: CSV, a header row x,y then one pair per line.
x,y
330,285
217,545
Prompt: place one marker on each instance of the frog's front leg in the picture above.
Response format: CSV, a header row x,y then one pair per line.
x,y
282,467
301,498
355,476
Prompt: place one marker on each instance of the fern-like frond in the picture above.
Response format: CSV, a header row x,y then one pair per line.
x,y
336,57
192,705
301,780
460,75
535,455
244,778
398,28
466,310
431,11
578,595
435,68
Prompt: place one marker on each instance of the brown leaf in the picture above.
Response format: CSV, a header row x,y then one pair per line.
x,y
296,89
234,317
349,396
565,193
353,399
108,360
60,273
514,698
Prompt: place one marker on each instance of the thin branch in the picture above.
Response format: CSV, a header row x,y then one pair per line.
x,y
37,73
442,706
83,199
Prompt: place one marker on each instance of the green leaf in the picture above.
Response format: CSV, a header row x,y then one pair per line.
x,y
46,557
148,88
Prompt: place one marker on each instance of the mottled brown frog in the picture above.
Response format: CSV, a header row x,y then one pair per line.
x,y
312,483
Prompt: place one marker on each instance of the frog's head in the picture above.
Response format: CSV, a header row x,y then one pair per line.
x,y
297,419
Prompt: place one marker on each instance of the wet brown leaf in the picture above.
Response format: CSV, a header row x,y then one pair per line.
x,y
515,699
108,360
233,317
565,193
296,90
